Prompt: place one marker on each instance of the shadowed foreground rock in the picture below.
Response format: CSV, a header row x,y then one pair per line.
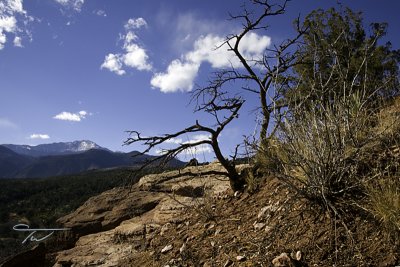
x,y
34,257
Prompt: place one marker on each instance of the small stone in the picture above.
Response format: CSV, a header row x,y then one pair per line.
x,y
167,248
259,226
164,228
218,231
212,243
240,258
282,260
183,247
268,229
237,194
298,255
228,263
262,211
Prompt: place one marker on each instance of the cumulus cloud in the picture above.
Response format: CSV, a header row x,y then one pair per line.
x,y
68,116
39,136
113,63
136,57
13,20
133,55
192,151
210,48
201,149
176,141
72,4
6,123
133,24
178,77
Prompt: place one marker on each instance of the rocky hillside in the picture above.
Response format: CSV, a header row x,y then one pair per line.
x,y
191,218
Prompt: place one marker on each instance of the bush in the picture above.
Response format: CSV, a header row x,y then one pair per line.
x,y
320,152
342,154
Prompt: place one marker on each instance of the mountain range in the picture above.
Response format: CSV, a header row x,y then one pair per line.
x,y
62,148
24,161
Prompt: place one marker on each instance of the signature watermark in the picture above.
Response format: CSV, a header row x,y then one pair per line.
x,y
25,228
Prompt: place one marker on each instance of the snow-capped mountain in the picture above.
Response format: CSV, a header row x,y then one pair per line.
x,y
62,148
23,161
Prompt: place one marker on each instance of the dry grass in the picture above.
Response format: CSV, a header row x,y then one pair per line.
x,y
342,154
383,192
384,201
322,150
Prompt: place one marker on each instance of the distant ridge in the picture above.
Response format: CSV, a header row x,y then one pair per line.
x,y
61,148
23,161
11,163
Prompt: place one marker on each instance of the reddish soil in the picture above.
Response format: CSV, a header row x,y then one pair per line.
x,y
224,228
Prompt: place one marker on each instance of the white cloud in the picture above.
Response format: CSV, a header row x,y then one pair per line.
x,y
18,41
8,24
113,63
197,138
197,150
72,4
181,73
12,6
100,13
176,141
68,116
179,77
204,148
12,16
133,24
133,55
136,57
6,123
192,151
39,136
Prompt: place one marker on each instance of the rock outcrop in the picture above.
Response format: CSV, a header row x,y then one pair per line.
x,y
119,222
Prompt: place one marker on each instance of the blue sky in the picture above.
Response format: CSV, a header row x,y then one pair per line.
x,y
92,69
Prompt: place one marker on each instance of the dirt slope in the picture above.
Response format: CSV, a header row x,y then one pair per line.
x,y
175,219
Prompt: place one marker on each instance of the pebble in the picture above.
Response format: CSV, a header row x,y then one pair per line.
x,y
240,258
282,260
164,228
218,231
259,226
183,247
228,263
167,248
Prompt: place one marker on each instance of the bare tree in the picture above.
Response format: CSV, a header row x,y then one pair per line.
x,y
263,76
224,109
268,76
